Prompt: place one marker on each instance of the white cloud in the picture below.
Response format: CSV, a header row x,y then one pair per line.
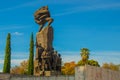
x,y
101,57
15,54
16,57
4,27
68,56
88,8
17,61
14,61
41,2
14,26
1,61
106,53
17,33
20,6
95,5
69,52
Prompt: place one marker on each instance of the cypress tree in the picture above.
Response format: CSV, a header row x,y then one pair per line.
x,y
31,56
7,59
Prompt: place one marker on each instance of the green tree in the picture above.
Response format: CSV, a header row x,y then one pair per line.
x,y
31,56
93,63
81,63
7,59
85,58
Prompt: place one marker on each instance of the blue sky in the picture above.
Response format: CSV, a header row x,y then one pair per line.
x,y
94,24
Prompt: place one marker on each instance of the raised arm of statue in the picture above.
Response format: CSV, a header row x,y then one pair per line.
x,y
42,16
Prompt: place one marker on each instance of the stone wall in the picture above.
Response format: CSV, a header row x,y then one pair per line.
x,y
81,73
95,73
42,78
4,76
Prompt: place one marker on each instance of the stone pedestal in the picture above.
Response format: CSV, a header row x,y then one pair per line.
x,y
46,58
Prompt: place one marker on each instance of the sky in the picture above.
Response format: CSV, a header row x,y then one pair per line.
x,y
92,24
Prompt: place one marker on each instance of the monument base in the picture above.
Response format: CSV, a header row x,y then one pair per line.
x,y
47,60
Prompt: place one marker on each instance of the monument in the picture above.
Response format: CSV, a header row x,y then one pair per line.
x,y
47,60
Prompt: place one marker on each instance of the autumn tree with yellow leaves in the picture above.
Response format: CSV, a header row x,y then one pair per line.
x,y
110,66
68,68
22,69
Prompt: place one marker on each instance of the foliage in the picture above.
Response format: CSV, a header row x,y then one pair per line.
x,y
68,68
7,59
93,63
110,66
81,63
85,58
85,55
22,69
31,57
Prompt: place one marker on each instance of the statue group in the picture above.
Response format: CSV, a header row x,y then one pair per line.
x,y
47,59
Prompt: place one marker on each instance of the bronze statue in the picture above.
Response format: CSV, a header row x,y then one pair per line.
x,y
42,16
